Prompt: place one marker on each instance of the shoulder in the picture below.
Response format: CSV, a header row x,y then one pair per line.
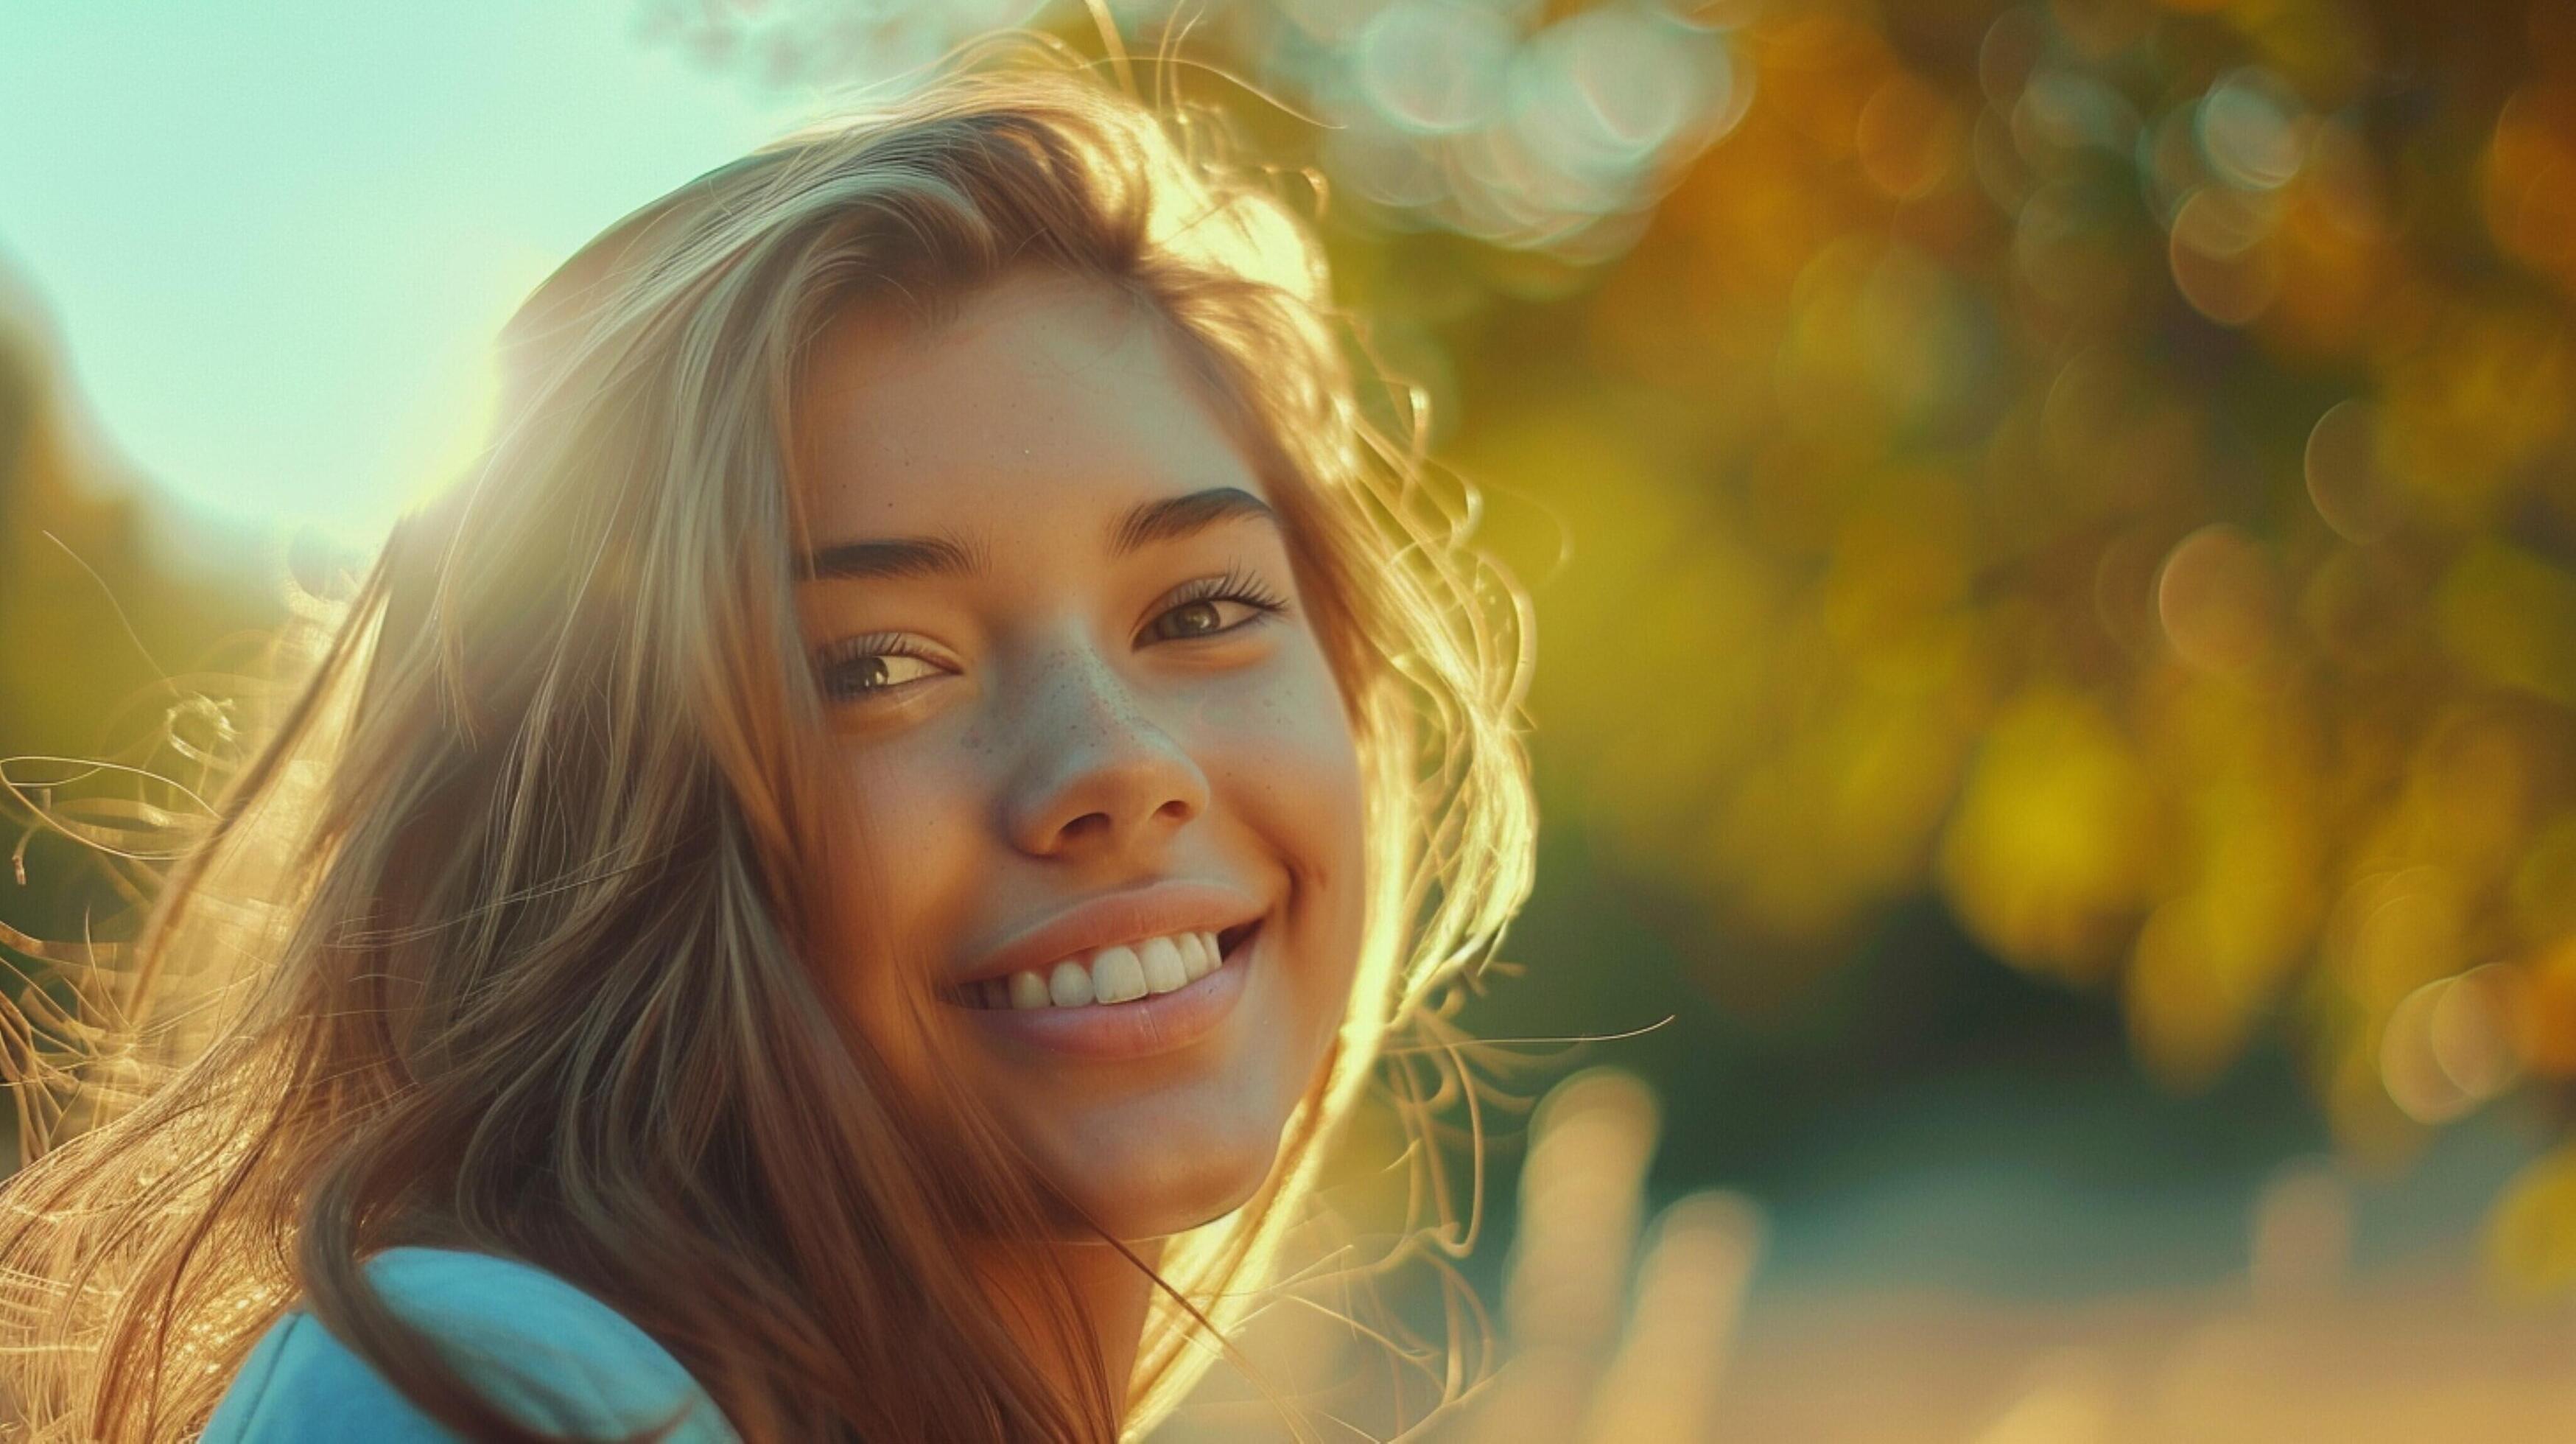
x,y
534,1343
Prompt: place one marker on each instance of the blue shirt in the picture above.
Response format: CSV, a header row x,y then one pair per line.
x,y
541,1349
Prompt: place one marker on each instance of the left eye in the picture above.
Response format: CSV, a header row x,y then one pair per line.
x,y
1199,599
1203,618
863,670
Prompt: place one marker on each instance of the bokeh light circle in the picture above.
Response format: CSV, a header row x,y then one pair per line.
x,y
2253,129
2346,483
1434,66
2215,596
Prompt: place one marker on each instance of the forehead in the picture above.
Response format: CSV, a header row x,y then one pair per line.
x,y
1039,400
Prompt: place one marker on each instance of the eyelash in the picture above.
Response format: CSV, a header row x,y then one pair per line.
x,y
1235,586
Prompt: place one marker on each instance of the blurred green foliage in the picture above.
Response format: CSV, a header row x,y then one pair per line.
x,y
2106,463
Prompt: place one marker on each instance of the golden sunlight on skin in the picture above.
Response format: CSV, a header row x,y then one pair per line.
x,y
1057,728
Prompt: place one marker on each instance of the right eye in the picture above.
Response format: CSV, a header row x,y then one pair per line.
x,y
867,668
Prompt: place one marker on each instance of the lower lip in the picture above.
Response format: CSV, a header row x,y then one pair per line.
x,y
1138,1028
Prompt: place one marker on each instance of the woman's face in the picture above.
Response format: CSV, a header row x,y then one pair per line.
x,y
1067,723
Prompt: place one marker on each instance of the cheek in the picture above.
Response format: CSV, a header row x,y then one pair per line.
x,y
1292,777
1283,757
912,882
916,807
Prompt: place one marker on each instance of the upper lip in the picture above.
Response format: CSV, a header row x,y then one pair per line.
x,y
1127,916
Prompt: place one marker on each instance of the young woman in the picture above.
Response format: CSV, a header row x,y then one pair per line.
x,y
842,883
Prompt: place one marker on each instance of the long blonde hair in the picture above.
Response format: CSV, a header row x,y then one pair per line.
x,y
501,933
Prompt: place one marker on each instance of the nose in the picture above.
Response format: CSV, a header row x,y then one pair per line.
x,y
1097,776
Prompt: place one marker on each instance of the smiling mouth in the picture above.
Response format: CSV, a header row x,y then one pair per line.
x,y
1127,974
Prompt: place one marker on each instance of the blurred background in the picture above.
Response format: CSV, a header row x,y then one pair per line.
x,y
2052,532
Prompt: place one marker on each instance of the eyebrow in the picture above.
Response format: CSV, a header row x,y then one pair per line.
x,y
947,555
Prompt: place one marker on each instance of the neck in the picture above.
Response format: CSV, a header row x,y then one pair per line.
x,y
1117,1295
1113,1294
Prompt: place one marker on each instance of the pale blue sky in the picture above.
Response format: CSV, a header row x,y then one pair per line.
x,y
276,236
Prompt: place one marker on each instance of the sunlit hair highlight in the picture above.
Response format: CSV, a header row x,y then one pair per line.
x,y
499,933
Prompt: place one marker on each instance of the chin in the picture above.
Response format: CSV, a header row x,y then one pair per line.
x,y
1151,1203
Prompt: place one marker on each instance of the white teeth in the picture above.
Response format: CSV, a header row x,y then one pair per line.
x,y
1028,990
1116,975
1111,975
1164,970
1069,986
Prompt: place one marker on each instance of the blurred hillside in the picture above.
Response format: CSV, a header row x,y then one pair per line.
x,y
110,607
86,549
